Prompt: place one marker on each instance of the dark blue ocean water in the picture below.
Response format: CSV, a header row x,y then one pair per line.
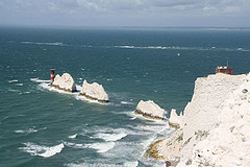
x,y
42,127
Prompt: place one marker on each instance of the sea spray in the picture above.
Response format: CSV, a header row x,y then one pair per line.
x,y
43,151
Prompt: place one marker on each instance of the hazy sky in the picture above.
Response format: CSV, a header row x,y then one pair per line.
x,y
202,13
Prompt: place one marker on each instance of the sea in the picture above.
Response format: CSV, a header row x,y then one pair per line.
x,y
43,127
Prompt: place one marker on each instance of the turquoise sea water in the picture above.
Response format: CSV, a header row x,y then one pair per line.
x,y
43,127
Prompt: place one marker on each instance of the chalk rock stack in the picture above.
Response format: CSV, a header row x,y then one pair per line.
x,y
64,82
150,109
174,120
214,129
94,91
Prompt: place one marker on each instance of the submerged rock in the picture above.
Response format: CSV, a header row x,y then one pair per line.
x,y
150,109
94,91
64,82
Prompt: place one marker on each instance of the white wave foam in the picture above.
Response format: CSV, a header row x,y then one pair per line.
x,y
151,127
30,130
127,47
126,164
72,136
131,164
125,102
13,81
144,47
45,43
139,129
39,80
74,145
133,118
19,84
111,137
93,165
46,86
26,92
102,147
101,129
181,48
128,113
138,138
43,151
13,90
83,98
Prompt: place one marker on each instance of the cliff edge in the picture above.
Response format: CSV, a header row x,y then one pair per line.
x,y
214,129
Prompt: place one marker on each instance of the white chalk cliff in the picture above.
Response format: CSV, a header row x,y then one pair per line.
x,y
214,130
150,109
94,91
64,82
174,119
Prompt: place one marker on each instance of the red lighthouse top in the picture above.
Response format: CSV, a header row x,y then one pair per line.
x,y
52,71
52,75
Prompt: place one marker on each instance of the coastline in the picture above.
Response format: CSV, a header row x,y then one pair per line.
x,y
167,149
203,137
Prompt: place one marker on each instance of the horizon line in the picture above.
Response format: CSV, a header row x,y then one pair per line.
x,y
125,26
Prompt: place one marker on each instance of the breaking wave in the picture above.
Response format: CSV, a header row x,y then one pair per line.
x,y
30,130
126,164
102,147
43,151
75,145
45,43
184,48
39,80
111,137
125,102
72,136
13,81
55,44
83,98
19,84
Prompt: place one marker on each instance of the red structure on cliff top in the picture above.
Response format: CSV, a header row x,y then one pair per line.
x,y
224,69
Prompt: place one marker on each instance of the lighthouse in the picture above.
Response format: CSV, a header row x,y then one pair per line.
x,y
52,75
